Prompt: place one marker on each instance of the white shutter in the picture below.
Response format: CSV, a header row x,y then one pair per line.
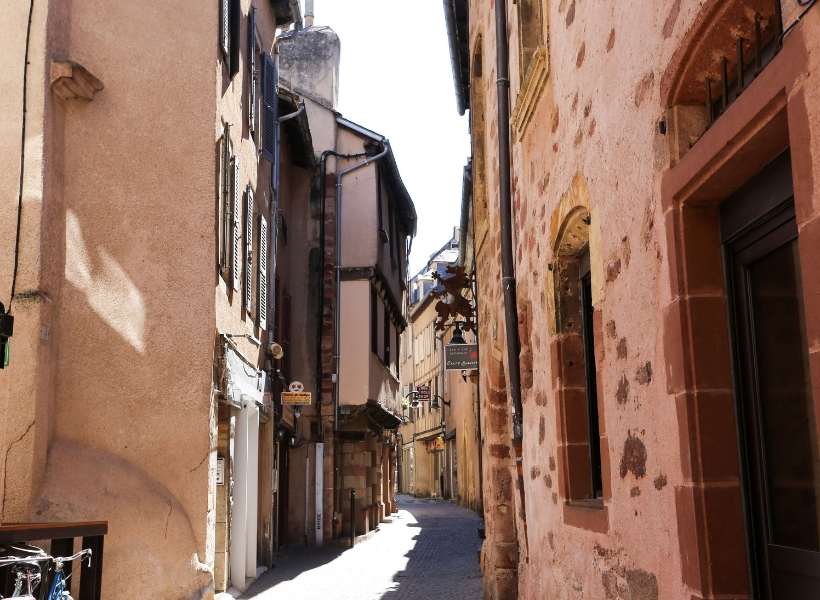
x,y
225,29
237,226
263,272
249,206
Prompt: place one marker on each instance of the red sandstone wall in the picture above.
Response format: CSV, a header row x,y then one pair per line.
x,y
593,141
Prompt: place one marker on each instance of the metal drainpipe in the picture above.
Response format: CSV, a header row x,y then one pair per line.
x,y
308,18
322,192
478,392
321,316
338,313
505,201
507,257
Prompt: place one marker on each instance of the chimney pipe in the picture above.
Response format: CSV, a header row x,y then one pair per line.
x,y
308,18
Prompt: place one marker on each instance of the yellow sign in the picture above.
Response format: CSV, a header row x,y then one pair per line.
x,y
435,445
296,398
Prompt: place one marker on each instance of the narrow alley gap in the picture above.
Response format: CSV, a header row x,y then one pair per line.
x,y
428,550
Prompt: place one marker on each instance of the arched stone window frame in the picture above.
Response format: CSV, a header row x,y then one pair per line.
x,y
533,60
575,235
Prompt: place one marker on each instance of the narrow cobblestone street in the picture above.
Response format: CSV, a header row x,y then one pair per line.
x,y
429,550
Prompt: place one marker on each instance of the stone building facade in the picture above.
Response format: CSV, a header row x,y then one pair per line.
x,y
665,237
463,437
424,464
439,439
358,238
137,390
176,273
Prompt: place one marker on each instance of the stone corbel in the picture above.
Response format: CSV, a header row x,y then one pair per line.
x,y
70,81
527,99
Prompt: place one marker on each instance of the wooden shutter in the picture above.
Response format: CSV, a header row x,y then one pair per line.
x,y
263,272
225,27
252,69
249,209
270,108
226,201
237,227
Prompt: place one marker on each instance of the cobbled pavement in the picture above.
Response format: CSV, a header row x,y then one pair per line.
x,y
428,552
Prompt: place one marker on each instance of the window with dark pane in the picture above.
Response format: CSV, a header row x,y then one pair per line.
x,y
386,337
233,41
585,286
575,336
530,31
374,321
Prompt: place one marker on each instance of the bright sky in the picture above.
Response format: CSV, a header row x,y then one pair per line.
x,y
396,79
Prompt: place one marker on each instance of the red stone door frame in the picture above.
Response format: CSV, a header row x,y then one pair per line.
x,y
771,115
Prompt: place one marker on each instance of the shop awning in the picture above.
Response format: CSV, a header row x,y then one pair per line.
x,y
382,417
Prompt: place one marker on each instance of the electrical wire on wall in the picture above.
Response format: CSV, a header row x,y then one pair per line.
x,y
809,4
22,161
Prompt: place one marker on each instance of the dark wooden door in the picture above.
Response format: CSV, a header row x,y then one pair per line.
x,y
776,411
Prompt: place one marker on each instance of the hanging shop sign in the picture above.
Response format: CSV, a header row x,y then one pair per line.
x,y
436,444
422,392
296,398
296,395
461,357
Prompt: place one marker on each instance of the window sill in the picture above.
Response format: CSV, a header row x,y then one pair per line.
x,y
531,87
592,515
589,503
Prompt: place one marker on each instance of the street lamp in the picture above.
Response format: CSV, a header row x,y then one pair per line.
x,y
458,335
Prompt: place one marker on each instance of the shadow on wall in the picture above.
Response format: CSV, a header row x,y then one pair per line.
x,y
138,510
130,419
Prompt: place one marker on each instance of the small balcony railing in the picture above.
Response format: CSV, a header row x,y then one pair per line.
x,y
57,540
750,57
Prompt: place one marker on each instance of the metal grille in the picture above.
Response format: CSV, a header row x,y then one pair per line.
x,y
750,57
